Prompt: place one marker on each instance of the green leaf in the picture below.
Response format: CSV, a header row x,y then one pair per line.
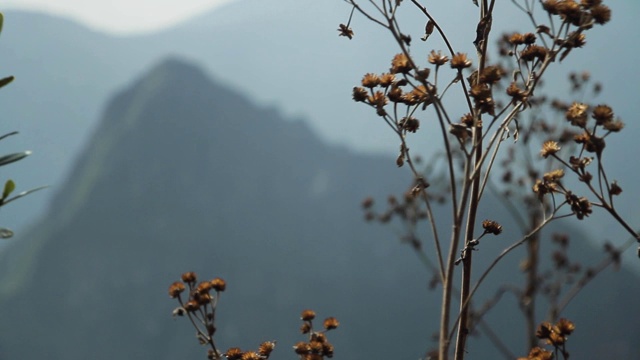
x,y
9,186
6,81
8,159
23,194
5,233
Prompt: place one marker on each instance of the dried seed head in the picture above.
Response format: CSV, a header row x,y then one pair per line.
x,y
577,114
460,61
400,64
601,14
515,92
234,353
251,355
218,284
301,348
533,52
492,227
549,148
437,58
331,323
387,79
266,348
189,277
603,114
176,289
360,94
370,80
553,176
516,39
345,31
308,315
565,327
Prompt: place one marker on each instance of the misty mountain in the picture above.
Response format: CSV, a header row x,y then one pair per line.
x,y
184,174
279,52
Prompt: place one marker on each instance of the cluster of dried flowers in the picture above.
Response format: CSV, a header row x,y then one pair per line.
x,y
200,307
553,334
497,95
318,346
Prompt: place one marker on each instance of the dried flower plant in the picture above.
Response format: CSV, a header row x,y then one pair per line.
x,y
496,108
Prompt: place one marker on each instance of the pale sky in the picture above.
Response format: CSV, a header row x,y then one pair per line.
x,y
120,16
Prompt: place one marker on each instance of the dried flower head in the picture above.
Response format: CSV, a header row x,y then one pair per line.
x,y
176,289
370,80
331,323
533,52
234,353
577,114
189,277
553,175
400,64
460,61
492,227
603,114
251,355
387,79
301,348
516,39
266,348
491,74
218,284
549,148
515,92
345,31
308,315
565,327
360,94
437,59
601,14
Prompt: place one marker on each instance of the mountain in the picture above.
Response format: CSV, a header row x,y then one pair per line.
x,y
184,174
280,52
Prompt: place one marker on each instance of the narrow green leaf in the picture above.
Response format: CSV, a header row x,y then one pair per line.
x,y
9,186
23,194
6,81
8,159
5,233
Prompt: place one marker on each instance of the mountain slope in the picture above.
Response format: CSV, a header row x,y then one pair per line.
x,y
184,174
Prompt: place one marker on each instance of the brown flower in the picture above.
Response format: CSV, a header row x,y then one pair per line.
x,y
175,289
460,61
360,94
577,114
301,348
308,315
370,80
331,323
218,284
533,52
565,327
614,126
189,277
603,114
492,227
437,58
266,348
345,31
553,175
387,79
400,64
491,74
515,92
601,14
516,39
251,355
234,353
378,99
549,148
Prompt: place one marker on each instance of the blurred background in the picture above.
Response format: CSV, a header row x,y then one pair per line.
x,y
221,137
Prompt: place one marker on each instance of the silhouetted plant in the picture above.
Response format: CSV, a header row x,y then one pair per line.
x,y
497,97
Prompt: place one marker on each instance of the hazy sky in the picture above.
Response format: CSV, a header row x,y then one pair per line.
x,y
120,16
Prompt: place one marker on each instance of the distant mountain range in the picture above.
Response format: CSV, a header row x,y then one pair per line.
x,y
284,53
183,174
